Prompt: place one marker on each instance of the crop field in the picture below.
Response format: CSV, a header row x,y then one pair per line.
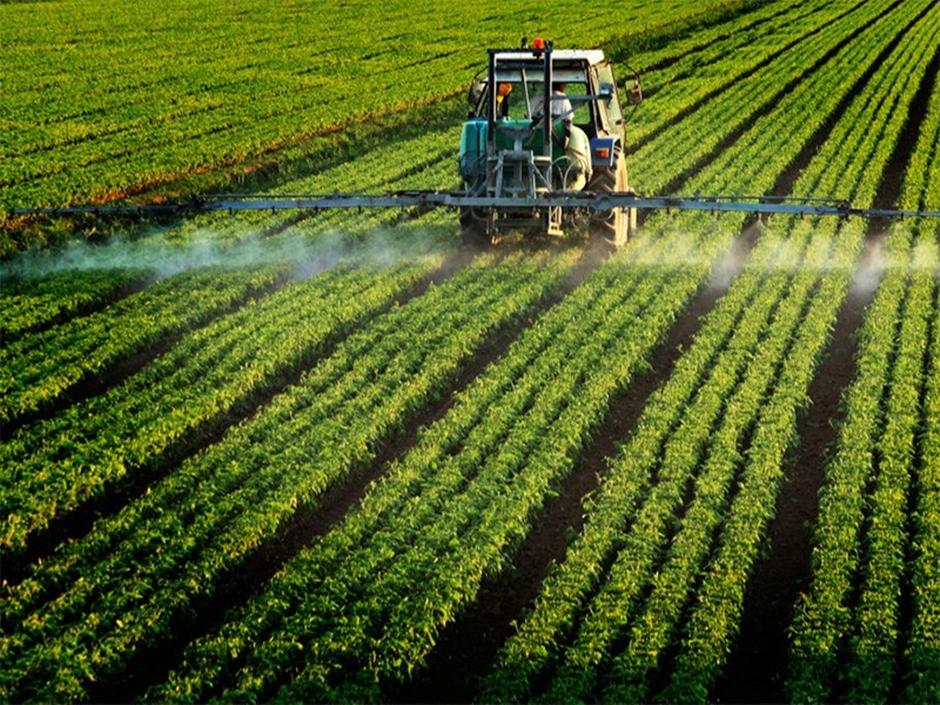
x,y
336,456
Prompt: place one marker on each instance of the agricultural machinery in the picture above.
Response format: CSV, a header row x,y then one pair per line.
x,y
513,146
541,152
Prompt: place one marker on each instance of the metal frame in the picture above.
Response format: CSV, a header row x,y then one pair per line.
x,y
593,202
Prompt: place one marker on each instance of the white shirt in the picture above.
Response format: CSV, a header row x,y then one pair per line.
x,y
561,106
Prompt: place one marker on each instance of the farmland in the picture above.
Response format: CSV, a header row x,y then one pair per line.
x,y
336,456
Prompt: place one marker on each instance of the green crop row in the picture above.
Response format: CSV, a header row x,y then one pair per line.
x,y
922,651
877,613
151,564
58,465
466,493
693,454
716,481
849,621
691,77
875,450
535,645
716,610
706,43
850,164
822,617
693,140
40,368
30,305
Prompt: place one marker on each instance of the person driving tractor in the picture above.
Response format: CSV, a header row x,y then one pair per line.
x,y
561,106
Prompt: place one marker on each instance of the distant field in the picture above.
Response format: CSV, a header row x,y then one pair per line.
x,y
102,99
336,457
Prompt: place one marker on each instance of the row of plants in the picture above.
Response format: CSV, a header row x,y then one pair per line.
x,y
681,48
382,585
694,140
714,615
849,165
641,598
684,77
39,369
877,621
123,588
540,637
694,480
211,376
922,644
32,304
850,622
820,619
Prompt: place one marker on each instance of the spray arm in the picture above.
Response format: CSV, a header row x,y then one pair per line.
x,y
423,200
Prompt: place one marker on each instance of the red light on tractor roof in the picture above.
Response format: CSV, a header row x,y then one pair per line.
x,y
538,43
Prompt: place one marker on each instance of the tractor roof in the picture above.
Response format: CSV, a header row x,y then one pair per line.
x,y
592,56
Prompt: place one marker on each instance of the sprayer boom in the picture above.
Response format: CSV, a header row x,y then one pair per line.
x,y
588,202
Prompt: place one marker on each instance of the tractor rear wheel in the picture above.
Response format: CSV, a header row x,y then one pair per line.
x,y
616,228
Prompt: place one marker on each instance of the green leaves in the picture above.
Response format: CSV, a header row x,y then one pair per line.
x,y
220,507
39,369
862,536
381,586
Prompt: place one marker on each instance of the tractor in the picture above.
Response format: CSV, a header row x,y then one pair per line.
x,y
512,147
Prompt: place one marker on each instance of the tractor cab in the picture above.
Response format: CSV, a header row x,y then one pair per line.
x,y
513,147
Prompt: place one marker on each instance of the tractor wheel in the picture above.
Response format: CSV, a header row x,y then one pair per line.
x,y
619,223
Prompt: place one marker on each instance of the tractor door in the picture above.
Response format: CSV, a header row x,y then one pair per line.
x,y
610,114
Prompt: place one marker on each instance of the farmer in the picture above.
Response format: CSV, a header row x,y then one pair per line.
x,y
561,106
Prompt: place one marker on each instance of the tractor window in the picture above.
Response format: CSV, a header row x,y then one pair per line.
x,y
582,110
511,102
605,74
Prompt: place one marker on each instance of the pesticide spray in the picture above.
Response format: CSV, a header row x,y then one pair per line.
x,y
305,253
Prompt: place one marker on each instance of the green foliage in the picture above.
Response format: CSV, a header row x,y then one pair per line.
x,y
862,534
286,388
150,95
230,500
39,369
